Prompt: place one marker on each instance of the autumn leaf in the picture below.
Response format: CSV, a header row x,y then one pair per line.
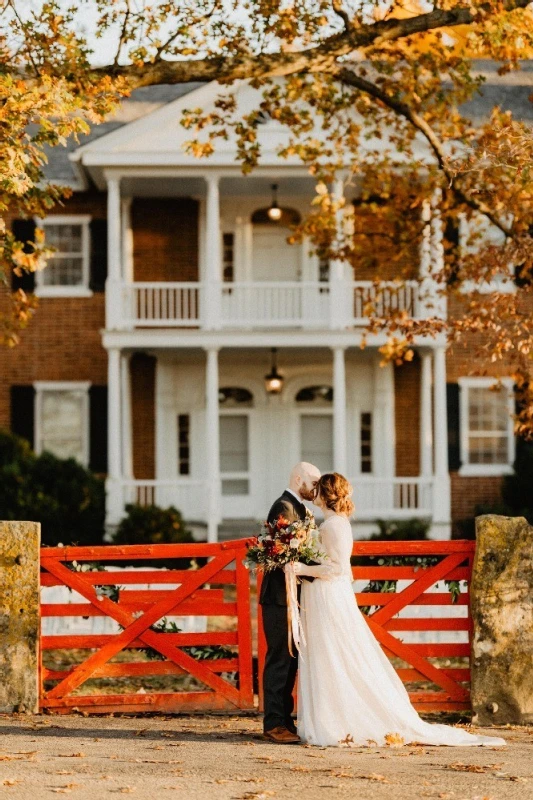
x,y
394,740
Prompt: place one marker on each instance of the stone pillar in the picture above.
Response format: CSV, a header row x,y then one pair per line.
x,y
19,616
501,595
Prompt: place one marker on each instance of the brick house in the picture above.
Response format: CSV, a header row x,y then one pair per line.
x,y
160,312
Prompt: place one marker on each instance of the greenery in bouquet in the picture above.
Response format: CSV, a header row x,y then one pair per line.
x,y
282,541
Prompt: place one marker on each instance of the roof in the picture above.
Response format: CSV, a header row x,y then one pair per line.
x,y
511,92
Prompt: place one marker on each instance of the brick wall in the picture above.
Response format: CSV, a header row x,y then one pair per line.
x,y
407,415
63,341
165,239
469,492
142,371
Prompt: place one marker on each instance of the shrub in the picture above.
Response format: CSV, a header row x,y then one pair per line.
x,y
67,499
400,530
153,525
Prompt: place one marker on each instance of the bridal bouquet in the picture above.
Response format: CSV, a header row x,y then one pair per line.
x,y
282,542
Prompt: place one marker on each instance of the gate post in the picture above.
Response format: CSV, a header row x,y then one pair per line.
x,y
19,617
502,617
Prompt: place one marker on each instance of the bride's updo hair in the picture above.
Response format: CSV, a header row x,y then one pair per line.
x,y
336,493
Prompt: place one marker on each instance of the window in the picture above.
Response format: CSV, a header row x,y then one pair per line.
x,y
235,396
316,437
234,456
318,395
67,271
228,256
184,453
62,420
366,442
487,440
474,235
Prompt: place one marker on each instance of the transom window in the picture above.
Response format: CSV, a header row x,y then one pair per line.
x,y
62,420
235,396
318,395
487,439
67,271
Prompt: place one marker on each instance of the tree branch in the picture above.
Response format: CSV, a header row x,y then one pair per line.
x,y
316,59
417,120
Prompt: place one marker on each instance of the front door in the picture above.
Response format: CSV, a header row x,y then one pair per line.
x,y
316,440
273,258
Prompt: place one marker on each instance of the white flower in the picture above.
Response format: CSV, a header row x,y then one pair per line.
x,y
294,544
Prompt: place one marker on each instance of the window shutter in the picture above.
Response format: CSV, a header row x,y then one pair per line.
x,y
454,433
24,231
98,231
98,428
23,413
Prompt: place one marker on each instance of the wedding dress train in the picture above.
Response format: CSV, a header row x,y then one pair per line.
x,y
348,690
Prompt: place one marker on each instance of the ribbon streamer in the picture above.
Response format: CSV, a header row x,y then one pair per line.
x,y
294,622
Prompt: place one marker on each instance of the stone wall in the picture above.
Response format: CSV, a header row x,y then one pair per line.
x,y
502,614
19,616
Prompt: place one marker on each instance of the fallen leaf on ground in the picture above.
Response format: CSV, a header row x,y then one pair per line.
x,y
257,795
373,776
394,740
11,782
458,766
72,755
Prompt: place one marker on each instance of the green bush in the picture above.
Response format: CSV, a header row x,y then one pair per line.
x,y
154,525
67,499
400,530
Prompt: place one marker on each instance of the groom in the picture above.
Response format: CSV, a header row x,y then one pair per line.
x,y
280,667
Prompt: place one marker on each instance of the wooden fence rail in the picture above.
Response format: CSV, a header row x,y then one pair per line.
x,y
435,672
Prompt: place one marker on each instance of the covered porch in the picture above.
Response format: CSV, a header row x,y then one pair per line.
x,y
222,446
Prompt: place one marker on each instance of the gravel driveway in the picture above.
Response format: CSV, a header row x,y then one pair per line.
x,y
222,758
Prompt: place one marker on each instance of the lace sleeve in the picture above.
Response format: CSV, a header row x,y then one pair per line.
x,y
336,546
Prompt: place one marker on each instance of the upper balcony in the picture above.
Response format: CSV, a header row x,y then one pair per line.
x,y
260,305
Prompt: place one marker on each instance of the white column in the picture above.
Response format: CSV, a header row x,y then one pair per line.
x,y
426,424
212,444
213,255
338,296
384,420
339,410
127,452
127,240
442,499
114,504
113,288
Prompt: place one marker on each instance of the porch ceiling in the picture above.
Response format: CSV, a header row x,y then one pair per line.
x,y
240,185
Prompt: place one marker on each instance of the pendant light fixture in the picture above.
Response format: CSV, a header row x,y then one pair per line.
x,y
274,212
274,381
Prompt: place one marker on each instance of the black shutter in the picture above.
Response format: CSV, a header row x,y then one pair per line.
x,y
452,252
24,231
23,412
454,431
98,428
98,230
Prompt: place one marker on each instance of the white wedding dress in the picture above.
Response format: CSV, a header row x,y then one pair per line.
x,y
348,690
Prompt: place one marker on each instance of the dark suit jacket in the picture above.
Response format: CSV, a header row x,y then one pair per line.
x,y
273,587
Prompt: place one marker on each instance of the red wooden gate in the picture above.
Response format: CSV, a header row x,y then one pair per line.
x,y
433,681
219,588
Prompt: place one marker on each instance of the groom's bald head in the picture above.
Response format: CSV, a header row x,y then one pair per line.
x,y
303,479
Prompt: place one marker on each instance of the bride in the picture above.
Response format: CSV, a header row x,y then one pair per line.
x,y
348,691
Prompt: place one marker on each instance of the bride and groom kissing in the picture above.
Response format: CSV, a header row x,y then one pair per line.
x,y
348,690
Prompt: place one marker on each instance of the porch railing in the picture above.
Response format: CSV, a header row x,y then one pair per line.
x,y
263,304
375,498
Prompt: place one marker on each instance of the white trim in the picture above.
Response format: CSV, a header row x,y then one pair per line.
x,y
77,290
62,386
467,469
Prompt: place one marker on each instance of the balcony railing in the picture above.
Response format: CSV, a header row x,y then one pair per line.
x,y
261,304
375,498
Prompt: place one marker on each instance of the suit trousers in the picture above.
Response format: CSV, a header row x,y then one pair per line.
x,y
280,670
